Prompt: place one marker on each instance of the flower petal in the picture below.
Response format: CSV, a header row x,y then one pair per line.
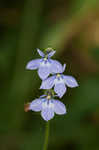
x,y
59,107
60,89
70,81
43,96
40,52
33,64
47,114
51,53
56,67
48,83
43,72
64,67
36,105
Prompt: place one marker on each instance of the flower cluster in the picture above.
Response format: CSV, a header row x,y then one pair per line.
x,y
51,73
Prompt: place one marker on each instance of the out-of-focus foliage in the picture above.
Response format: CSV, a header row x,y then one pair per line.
x,y
72,28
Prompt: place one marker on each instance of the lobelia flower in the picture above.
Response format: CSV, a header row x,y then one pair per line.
x,y
45,65
48,107
60,82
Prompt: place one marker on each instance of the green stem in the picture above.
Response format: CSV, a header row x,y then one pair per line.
x,y
46,136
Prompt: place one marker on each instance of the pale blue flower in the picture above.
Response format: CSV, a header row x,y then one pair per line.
x,y
60,82
48,107
45,65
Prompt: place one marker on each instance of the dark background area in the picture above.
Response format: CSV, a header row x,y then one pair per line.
x,y
71,27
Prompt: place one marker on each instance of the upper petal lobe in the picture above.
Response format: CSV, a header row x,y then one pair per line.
x,y
40,52
64,67
51,53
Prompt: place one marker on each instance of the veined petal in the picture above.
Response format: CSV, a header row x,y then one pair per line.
x,y
70,81
47,114
51,53
33,64
48,83
36,105
43,72
47,110
40,52
60,89
56,67
59,107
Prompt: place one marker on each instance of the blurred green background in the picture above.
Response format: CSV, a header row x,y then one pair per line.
x,y
72,28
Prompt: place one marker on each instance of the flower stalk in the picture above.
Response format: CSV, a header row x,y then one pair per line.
x,y
47,129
